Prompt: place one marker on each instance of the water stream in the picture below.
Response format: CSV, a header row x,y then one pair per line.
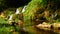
x,y
31,29
24,8
17,12
10,17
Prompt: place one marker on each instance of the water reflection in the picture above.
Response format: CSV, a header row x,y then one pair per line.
x,y
34,30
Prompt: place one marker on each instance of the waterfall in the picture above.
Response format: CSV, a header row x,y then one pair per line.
x,y
10,17
24,8
17,11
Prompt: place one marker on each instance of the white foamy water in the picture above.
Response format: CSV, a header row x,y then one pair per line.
x,y
24,8
10,17
17,11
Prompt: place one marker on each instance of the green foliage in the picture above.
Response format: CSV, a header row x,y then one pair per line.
x,y
8,13
2,21
5,30
5,27
43,3
32,8
2,2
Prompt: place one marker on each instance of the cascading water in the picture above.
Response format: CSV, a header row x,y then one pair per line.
x,y
10,18
24,8
18,12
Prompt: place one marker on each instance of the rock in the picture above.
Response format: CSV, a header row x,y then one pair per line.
x,y
44,23
44,26
56,25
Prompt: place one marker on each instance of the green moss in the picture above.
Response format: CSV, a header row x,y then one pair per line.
x,y
32,8
2,21
5,30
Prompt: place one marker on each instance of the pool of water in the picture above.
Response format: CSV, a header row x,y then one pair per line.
x,y
34,30
31,29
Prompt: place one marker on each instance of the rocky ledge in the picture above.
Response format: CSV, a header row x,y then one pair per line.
x,y
55,27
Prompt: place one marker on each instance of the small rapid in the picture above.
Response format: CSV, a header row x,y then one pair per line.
x,y
17,12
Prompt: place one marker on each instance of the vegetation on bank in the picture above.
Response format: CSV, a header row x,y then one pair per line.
x,y
36,12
